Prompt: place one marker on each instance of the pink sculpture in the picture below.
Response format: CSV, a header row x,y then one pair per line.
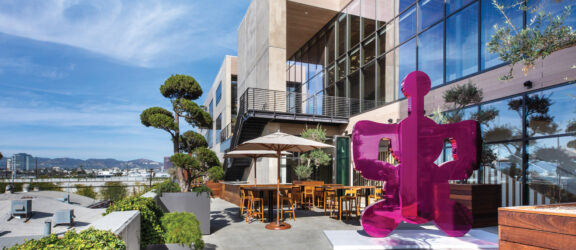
x,y
416,190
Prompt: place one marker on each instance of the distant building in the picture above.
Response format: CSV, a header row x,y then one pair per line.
x,y
8,163
22,161
167,164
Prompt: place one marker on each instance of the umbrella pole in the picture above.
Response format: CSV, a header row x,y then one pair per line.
x,y
277,225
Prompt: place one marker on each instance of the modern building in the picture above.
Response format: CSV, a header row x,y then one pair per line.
x,y
22,162
167,164
222,105
336,62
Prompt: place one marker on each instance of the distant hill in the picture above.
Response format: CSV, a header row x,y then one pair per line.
x,y
91,163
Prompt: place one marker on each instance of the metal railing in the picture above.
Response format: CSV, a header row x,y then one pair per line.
x,y
226,132
297,103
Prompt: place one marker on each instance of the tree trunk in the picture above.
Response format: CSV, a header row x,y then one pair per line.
x,y
176,139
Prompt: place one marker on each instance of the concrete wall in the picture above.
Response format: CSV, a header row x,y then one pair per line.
x,y
262,46
125,224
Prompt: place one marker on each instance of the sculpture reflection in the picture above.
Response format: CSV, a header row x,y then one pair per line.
x,y
416,190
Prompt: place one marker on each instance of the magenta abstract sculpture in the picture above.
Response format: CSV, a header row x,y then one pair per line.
x,y
416,190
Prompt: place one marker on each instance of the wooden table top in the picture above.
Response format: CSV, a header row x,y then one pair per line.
x,y
267,188
349,187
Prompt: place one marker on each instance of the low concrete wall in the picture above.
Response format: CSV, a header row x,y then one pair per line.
x,y
125,224
199,204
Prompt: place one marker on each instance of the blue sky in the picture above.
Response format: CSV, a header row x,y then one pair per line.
x,y
75,75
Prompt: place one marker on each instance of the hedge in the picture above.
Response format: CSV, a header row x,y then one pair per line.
x,y
166,186
151,231
182,228
87,239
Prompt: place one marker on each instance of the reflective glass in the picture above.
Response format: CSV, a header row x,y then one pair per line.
x,y
430,11
330,45
381,43
504,120
369,51
341,69
315,85
369,16
388,79
385,12
353,12
369,88
219,93
552,168
454,5
354,81
406,57
431,53
407,24
391,39
552,111
330,90
490,17
505,168
341,89
354,61
555,8
403,4
462,43
342,35
331,74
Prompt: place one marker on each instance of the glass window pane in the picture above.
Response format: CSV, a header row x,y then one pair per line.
x,y
454,5
555,8
342,35
381,43
385,12
430,11
354,61
330,91
403,4
369,96
462,43
407,24
490,17
552,111
507,161
369,16
505,121
315,85
341,89
552,169
431,53
330,45
391,38
331,74
353,12
354,80
406,58
369,51
342,69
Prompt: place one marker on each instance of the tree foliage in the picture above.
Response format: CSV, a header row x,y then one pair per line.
x,y
303,172
190,140
166,186
181,87
216,173
114,190
543,35
87,239
461,96
317,157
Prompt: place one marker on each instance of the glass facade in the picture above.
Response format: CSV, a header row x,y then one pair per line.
x,y
444,38
529,146
219,93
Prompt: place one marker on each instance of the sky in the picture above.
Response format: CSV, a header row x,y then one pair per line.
x,y
76,74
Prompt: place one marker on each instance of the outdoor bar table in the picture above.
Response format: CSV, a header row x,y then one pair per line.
x,y
338,188
271,190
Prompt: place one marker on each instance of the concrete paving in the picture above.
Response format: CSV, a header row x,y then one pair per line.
x,y
228,231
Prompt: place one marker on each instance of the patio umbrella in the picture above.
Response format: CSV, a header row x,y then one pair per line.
x,y
254,154
279,142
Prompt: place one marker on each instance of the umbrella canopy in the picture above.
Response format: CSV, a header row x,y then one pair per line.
x,y
279,141
252,153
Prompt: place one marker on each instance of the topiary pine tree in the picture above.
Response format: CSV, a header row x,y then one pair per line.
x,y
181,90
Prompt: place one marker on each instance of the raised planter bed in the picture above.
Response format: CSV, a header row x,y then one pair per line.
x,y
534,227
199,204
482,199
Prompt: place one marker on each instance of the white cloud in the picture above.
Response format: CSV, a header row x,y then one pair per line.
x,y
143,33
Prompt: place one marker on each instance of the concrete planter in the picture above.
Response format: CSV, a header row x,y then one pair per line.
x,y
199,204
168,247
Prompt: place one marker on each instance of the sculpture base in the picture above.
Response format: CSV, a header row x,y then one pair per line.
x,y
411,239
281,226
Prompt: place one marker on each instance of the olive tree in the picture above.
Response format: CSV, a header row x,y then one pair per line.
x,y
182,90
317,157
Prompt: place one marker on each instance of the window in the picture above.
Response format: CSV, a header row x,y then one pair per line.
x,y
407,24
551,112
462,43
218,127
369,51
406,58
211,108
506,125
403,4
429,12
454,5
369,17
490,17
219,93
354,61
387,85
384,12
369,88
353,11
342,35
555,8
330,45
431,53
342,69
234,96
354,81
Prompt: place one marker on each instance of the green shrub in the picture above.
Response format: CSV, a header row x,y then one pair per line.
x,y
87,191
202,189
166,186
87,239
182,228
216,173
46,186
151,231
114,190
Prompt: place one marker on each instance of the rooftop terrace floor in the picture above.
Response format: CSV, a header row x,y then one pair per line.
x,y
228,231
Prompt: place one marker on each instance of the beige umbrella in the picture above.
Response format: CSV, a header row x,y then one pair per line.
x,y
254,154
279,142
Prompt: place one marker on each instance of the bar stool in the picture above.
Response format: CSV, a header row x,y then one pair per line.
x,y
319,195
254,202
330,201
309,196
244,202
376,196
290,199
351,199
297,195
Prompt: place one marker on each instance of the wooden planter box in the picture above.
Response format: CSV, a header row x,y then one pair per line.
x,y
534,227
482,199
